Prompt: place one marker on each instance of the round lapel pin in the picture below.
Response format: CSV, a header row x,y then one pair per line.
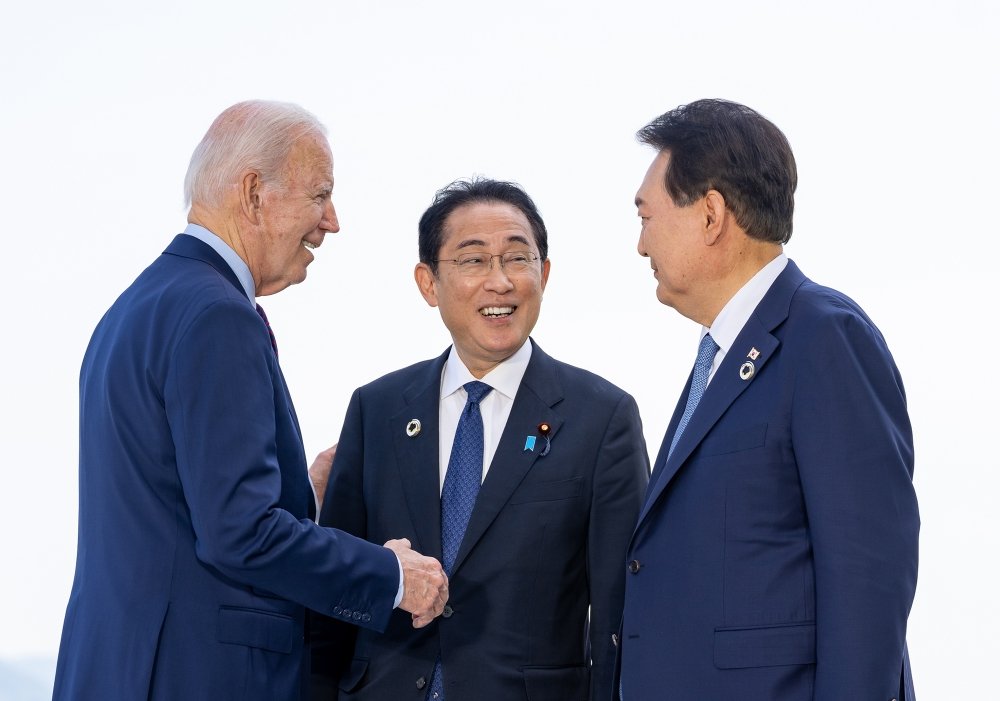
x,y
545,429
413,428
746,370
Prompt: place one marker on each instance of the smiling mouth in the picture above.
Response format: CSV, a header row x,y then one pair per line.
x,y
496,312
311,246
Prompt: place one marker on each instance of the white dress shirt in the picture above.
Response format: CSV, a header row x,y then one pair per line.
x,y
736,313
495,407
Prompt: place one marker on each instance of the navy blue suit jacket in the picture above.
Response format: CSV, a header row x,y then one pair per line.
x,y
775,558
196,552
545,541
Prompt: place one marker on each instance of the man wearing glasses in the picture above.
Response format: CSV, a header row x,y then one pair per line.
x,y
524,475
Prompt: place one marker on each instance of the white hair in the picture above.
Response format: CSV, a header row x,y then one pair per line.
x,y
253,135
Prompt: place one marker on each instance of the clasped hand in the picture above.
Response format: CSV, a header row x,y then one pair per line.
x,y
425,585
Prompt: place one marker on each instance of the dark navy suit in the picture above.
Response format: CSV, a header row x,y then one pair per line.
x,y
196,552
545,541
775,558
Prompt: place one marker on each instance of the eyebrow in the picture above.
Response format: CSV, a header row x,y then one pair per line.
x,y
516,238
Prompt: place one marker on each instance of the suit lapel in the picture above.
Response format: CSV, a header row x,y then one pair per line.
x,y
727,383
417,457
539,392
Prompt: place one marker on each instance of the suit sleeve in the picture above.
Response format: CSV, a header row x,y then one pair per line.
x,y
620,476
853,445
220,402
343,508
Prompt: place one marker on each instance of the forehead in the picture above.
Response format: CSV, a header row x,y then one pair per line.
x,y
310,156
653,186
486,223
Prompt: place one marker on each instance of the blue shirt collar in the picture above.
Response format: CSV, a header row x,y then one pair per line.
x,y
238,265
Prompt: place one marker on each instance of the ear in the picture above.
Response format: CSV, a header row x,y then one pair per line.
x,y
250,196
426,283
545,272
714,211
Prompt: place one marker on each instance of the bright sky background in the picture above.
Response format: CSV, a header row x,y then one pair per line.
x,y
889,107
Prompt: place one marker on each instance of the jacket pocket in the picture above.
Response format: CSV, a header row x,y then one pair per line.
x,y
557,683
255,628
734,441
548,491
354,675
765,646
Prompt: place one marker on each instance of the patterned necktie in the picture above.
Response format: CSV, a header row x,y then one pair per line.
x,y
458,496
274,342
699,380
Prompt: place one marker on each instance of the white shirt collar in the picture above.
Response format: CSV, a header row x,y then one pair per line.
x,y
736,313
505,378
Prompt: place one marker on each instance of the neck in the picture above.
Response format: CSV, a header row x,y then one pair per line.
x,y
738,269
223,227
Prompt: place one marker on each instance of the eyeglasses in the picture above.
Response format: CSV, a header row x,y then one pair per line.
x,y
479,264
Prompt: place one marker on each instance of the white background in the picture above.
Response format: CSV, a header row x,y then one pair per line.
x,y
889,107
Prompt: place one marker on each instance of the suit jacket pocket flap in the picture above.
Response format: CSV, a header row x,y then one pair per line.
x,y
255,628
734,441
557,683
548,491
765,646
354,674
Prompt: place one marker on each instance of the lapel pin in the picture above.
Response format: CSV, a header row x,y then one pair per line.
x,y
544,428
753,354
529,443
413,428
746,370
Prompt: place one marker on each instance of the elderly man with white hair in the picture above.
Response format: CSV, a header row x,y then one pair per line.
x,y
198,552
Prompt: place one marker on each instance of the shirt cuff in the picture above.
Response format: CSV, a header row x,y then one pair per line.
x,y
399,592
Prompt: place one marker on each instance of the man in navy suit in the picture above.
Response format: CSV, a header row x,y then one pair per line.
x,y
197,551
775,557
560,470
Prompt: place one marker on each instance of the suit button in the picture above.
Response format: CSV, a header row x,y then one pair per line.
x,y
634,566
448,610
337,610
347,613
356,615
421,683
614,639
366,617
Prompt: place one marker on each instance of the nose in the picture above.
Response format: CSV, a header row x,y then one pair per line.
x,y
641,246
496,280
330,223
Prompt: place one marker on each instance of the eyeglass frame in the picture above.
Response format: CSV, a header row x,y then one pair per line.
x,y
532,257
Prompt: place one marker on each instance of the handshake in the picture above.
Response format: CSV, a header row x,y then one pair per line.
x,y
425,585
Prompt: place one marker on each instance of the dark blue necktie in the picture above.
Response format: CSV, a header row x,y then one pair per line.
x,y
274,342
699,380
458,496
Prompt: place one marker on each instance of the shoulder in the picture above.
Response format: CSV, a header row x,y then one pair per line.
x,y
400,380
579,383
827,326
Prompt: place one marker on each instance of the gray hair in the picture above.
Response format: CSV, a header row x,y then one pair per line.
x,y
252,135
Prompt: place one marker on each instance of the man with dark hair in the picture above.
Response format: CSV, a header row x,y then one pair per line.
x,y
197,551
524,475
775,557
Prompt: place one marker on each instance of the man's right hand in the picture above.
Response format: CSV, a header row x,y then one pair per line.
x,y
425,585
